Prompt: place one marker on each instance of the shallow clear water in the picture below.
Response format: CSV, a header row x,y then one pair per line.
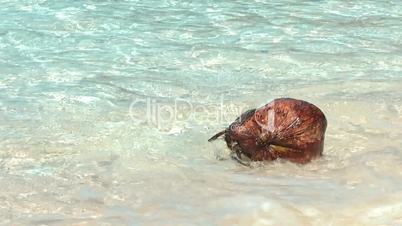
x,y
88,135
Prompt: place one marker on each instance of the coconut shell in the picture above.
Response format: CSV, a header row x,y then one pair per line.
x,y
284,128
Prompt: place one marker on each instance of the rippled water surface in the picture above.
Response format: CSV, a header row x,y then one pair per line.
x,y
88,91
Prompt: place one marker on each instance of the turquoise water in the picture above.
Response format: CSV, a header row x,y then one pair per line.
x,y
106,108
